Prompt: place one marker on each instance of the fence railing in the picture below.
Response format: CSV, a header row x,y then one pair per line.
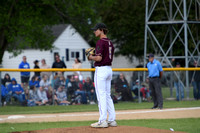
x,y
92,70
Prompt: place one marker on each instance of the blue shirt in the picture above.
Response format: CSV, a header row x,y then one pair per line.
x,y
24,65
154,68
4,91
35,83
15,87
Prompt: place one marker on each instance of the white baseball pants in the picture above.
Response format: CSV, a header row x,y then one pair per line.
x,y
102,79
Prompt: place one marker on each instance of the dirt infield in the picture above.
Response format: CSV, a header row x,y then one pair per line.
x,y
172,113
119,129
120,115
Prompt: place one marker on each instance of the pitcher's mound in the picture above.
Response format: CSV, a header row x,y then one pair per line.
x,y
87,129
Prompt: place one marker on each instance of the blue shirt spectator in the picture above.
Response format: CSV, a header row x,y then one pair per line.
x,y
24,65
5,96
17,90
4,91
34,82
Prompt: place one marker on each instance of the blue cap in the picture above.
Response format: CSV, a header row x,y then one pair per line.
x,y
150,55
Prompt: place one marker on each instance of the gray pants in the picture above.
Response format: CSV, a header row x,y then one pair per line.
x,y
156,92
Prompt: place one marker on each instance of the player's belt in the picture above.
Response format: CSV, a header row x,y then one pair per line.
x,y
102,65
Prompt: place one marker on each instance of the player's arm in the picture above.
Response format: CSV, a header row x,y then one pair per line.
x,y
95,58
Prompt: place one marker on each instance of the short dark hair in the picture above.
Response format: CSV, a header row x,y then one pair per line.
x,y
105,31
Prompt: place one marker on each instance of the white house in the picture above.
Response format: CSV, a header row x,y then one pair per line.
x,y
69,44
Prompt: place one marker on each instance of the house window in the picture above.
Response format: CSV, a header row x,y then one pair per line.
x,y
75,54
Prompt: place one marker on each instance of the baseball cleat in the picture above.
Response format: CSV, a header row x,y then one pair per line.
x,y
103,124
112,123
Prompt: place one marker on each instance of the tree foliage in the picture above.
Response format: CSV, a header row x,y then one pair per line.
x,y
22,25
26,23
125,20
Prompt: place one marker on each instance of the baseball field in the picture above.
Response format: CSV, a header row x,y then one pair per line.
x,y
132,117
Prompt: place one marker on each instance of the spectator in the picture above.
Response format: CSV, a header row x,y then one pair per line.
x,y
6,80
72,86
77,64
5,97
196,82
88,87
45,82
122,87
61,97
60,81
58,63
145,93
36,63
178,82
34,82
145,90
24,75
136,88
33,99
79,90
44,66
155,74
42,95
50,95
17,91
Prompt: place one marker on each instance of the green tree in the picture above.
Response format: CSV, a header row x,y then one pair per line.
x,y
23,24
27,23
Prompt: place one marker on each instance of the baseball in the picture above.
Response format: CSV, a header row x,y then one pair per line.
x,y
171,129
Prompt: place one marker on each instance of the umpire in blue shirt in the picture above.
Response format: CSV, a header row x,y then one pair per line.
x,y
155,74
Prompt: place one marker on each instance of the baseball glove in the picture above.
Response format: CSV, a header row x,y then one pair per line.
x,y
90,51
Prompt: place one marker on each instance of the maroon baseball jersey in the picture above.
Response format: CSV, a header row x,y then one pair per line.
x,y
104,48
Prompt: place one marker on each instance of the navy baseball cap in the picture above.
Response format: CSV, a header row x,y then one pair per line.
x,y
99,26
150,55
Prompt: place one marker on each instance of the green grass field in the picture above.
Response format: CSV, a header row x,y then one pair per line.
x,y
190,125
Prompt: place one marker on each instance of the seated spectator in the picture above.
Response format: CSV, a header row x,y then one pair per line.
x,y
45,82
80,91
44,66
50,95
33,97
42,95
34,82
5,97
17,91
145,93
145,90
60,81
61,97
74,91
122,87
136,88
6,80
72,87
88,87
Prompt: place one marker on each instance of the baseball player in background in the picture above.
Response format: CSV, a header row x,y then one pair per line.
x,y
103,75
